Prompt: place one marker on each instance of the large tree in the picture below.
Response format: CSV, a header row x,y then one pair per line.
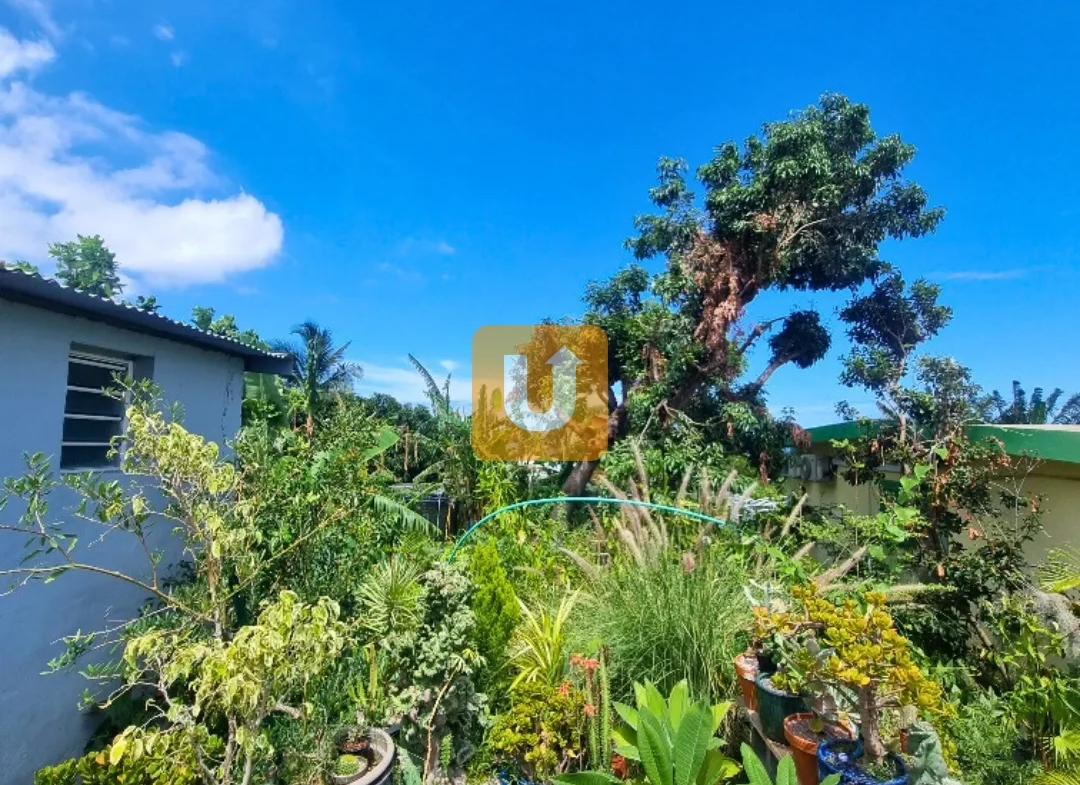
x,y
804,205
87,265
319,367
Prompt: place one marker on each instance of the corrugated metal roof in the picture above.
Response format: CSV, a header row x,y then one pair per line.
x,y
46,293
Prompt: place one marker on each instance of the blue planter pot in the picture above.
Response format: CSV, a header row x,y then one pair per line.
x,y
774,706
838,757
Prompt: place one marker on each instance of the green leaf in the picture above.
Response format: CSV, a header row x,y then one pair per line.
x,y
625,736
630,752
717,768
655,701
587,778
655,750
628,714
388,437
677,703
719,711
691,743
832,779
755,769
116,751
785,771
876,552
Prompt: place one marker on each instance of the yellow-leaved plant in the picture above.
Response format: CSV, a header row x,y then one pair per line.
x,y
865,655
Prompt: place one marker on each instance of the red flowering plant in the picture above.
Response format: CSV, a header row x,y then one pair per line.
x,y
597,691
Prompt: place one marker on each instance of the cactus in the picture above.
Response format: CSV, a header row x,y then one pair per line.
x,y
604,709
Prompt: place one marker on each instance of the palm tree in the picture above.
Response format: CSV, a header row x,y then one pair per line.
x,y
1040,409
319,367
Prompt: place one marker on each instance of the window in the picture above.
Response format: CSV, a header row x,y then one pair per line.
x,y
92,418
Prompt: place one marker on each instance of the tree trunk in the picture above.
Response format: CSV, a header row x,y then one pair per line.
x,y
578,480
869,723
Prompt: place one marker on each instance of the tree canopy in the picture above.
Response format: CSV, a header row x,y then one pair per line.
x,y
804,205
87,265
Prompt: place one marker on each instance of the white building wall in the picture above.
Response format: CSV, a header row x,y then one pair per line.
x,y
39,722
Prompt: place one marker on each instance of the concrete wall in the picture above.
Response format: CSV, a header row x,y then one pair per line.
x,y
39,723
1057,482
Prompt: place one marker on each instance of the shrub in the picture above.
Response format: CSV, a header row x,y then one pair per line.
x,y
988,743
542,732
496,609
668,621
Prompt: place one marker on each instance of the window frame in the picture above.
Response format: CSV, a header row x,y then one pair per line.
x,y
99,359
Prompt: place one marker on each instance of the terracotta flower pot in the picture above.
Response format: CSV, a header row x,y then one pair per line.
x,y
804,744
746,670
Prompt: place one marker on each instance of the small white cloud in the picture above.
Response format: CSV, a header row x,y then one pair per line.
x,y
178,58
413,246
448,365
119,40
61,175
22,56
400,272
405,383
164,32
983,275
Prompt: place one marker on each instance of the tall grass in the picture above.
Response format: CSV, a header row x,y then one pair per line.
x,y
678,617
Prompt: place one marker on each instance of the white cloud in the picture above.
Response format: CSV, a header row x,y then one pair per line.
x,y
39,12
448,365
17,56
983,275
164,32
405,383
178,58
411,245
69,165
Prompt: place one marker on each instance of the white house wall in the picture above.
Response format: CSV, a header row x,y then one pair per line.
x,y
39,723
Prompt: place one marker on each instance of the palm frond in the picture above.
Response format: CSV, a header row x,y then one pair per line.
x,y
439,402
1056,777
1061,570
409,520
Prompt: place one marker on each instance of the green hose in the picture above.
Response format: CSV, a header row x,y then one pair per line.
x,y
588,499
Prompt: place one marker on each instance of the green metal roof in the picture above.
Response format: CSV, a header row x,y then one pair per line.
x,y
1048,442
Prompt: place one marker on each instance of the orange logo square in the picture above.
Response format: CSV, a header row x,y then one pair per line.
x,y
540,393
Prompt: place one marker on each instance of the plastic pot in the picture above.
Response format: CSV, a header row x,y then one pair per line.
x,y
842,757
774,706
804,744
746,669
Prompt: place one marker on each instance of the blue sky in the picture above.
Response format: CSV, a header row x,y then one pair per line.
x,y
406,172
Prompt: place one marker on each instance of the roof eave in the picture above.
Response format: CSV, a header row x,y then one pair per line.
x,y
48,295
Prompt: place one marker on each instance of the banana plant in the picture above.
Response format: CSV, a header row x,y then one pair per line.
x,y
785,770
674,740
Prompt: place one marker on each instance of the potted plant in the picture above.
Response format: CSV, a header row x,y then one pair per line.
x,y
778,690
746,670
804,732
767,605
373,747
347,769
872,661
